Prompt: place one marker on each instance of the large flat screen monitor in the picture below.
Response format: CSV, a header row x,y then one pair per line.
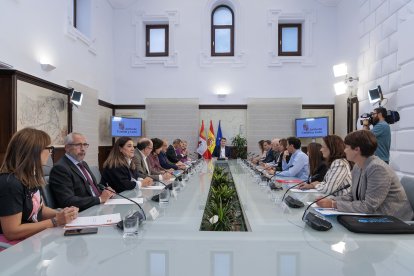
x,y
124,126
312,127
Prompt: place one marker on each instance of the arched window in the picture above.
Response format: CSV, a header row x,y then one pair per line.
x,y
222,31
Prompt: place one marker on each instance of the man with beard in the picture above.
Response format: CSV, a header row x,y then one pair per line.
x,y
382,132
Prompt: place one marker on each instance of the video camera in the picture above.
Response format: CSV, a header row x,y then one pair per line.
x,y
391,118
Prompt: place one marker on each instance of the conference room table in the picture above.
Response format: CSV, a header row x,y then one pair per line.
x,y
278,241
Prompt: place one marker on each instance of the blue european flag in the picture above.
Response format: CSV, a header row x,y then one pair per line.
x,y
219,135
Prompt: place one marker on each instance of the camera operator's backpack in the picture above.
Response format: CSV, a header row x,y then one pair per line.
x,y
392,117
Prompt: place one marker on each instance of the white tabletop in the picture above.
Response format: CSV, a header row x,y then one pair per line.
x,y
279,243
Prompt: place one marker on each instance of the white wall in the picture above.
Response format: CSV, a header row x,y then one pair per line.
x,y
385,57
254,79
35,30
348,34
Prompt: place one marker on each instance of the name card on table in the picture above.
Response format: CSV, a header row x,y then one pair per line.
x,y
154,213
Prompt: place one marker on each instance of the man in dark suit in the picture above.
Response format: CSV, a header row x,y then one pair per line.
x,y
165,162
143,149
172,151
222,151
267,144
71,181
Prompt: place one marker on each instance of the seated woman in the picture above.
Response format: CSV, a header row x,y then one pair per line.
x,y
22,210
317,164
262,155
181,151
376,188
154,163
339,173
118,170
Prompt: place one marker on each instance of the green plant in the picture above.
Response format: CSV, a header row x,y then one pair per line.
x,y
218,217
222,193
223,211
220,179
239,143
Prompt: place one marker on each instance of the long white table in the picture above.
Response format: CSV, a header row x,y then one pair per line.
x,y
279,243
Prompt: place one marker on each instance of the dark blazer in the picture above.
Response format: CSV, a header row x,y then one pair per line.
x,y
120,178
165,163
69,187
172,155
280,160
217,149
140,165
269,157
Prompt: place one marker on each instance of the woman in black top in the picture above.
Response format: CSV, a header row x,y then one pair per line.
x,y
22,210
119,171
317,165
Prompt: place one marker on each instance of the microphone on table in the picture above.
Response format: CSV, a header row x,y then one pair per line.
x,y
166,186
141,215
273,185
293,202
316,222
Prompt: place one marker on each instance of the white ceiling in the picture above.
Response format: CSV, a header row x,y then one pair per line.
x,y
121,4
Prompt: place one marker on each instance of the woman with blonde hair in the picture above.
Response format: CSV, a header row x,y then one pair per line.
x,y
119,172
22,210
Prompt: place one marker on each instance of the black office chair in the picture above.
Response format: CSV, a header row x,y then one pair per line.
x,y
408,184
46,193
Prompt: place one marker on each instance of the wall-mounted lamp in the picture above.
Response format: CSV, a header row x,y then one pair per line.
x,y
342,87
47,67
222,93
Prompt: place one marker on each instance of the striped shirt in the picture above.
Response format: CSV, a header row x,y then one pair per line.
x,y
339,174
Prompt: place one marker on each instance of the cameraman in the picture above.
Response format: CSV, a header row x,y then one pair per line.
x,y
382,132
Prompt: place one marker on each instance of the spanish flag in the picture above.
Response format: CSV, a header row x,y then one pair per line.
x,y
211,140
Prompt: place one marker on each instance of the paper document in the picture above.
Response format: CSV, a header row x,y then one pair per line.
x,y
120,201
95,221
296,181
334,212
153,187
177,172
304,191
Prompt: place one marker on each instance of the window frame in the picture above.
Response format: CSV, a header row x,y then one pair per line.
x,y
148,28
281,26
213,33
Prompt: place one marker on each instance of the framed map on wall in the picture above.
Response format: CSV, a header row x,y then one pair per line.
x,y
43,109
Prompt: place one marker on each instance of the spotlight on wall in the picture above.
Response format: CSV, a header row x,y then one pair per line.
x,y
76,98
222,93
47,67
342,87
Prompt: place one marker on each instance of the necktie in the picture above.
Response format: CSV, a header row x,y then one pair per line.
x,y
88,178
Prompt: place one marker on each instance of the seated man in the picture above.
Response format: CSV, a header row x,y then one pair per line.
x,y
222,151
71,181
165,163
142,151
298,165
267,144
173,153
275,155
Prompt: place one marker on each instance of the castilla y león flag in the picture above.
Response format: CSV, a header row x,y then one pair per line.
x,y
202,143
